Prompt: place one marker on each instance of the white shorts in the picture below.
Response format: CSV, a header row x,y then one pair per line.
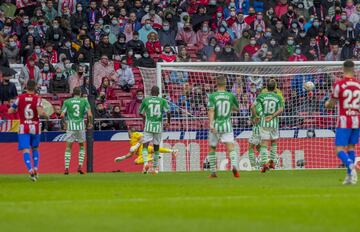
x,y
155,138
268,133
255,138
75,135
214,138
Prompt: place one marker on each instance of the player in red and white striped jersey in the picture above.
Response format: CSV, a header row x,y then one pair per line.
x,y
347,93
29,107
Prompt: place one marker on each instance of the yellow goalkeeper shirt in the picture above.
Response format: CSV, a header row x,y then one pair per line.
x,y
277,91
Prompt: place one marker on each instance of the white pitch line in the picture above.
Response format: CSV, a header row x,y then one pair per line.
x,y
175,199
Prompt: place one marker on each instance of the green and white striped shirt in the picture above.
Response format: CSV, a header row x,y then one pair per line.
x,y
154,108
75,109
270,103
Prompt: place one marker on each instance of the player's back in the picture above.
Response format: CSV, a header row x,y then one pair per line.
x,y
222,102
153,108
270,103
347,91
76,109
27,104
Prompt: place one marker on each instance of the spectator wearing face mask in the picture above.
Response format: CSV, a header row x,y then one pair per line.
x,y
77,79
251,48
203,35
152,17
251,17
11,51
334,33
208,50
68,51
87,49
104,67
146,61
275,49
279,33
297,56
354,18
50,53
54,34
125,76
136,44
78,18
334,54
347,51
134,105
118,124
230,15
92,13
105,91
104,48
186,35
222,36
131,26
239,26
260,54
153,45
46,74
288,49
167,35
259,24
349,7
30,72
101,113
145,31
228,54
120,45
58,84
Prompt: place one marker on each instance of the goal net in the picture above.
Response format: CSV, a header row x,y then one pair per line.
x,y
307,129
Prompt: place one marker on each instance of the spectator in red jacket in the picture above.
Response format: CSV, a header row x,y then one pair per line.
x,y
281,8
251,48
153,45
168,55
134,105
55,120
105,91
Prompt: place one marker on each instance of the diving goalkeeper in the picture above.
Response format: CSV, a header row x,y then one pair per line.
x,y
137,146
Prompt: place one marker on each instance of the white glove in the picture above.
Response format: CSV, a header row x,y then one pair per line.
x,y
135,147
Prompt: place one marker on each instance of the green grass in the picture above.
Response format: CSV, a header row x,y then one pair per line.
x,y
276,201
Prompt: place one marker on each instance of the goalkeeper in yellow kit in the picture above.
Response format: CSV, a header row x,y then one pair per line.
x,y
137,146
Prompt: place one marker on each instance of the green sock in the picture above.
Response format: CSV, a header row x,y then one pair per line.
x,y
263,155
145,155
212,161
251,155
273,152
234,159
81,156
156,159
67,158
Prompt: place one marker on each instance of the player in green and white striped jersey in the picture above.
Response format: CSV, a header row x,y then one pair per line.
x,y
152,108
74,110
221,104
255,139
272,106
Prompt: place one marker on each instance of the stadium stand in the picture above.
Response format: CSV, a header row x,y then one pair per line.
x,y
123,34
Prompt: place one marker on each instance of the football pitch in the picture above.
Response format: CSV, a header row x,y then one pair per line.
x,y
311,200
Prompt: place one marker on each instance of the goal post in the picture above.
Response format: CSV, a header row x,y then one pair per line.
x,y
307,129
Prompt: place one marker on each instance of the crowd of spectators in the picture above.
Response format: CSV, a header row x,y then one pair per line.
x,y
54,38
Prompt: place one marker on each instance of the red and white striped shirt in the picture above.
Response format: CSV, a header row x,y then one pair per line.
x,y
347,91
29,119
